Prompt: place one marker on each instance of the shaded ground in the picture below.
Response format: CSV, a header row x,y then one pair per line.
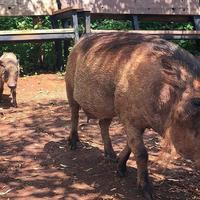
x,y
35,162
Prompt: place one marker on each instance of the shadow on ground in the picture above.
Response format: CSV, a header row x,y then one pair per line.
x,y
6,102
37,164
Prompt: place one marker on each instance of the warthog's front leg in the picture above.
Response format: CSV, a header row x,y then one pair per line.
x,y
13,94
136,144
108,149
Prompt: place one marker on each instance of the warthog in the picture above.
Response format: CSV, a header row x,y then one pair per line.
x,y
147,82
9,72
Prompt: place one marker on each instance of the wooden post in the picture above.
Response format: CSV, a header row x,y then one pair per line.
x,y
197,22
58,48
59,4
38,21
75,26
135,22
65,24
87,22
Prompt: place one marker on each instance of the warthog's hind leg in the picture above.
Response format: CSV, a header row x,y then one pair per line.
x,y
108,149
73,137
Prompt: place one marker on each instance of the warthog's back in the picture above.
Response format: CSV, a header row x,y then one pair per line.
x,y
100,63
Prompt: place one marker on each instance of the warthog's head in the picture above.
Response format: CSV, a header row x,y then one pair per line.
x,y
11,69
184,128
185,132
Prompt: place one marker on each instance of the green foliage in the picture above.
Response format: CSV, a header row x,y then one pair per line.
x,y
166,26
8,23
36,57
110,24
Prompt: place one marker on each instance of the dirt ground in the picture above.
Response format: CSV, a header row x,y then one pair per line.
x,y
35,162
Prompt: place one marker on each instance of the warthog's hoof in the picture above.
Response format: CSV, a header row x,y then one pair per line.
x,y
147,191
72,142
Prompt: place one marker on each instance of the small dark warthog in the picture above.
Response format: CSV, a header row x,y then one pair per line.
x,y
9,72
147,82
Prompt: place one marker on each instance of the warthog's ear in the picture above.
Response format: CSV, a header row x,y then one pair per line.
x,y
171,72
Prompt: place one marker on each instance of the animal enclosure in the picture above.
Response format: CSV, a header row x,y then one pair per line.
x,y
36,162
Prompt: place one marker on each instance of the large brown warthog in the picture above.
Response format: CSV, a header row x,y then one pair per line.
x,y
147,82
9,72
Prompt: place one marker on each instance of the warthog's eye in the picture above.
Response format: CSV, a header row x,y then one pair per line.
x,y
195,102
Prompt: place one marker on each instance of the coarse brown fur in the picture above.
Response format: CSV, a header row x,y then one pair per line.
x,y
147,82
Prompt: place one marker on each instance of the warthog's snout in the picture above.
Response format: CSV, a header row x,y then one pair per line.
x,y
12,80
12,86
